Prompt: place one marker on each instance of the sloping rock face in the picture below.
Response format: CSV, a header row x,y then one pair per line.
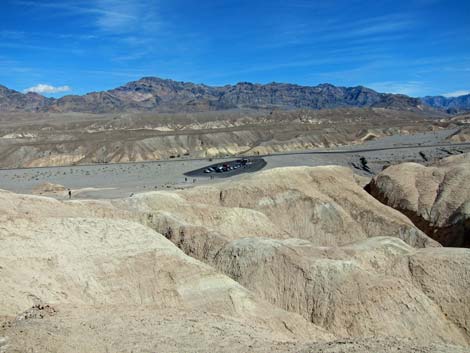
x,y
90,284
295,260
376,287
436,198
11,100
308,240
323,205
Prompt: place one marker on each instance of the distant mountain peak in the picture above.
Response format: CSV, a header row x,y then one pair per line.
x,y
451,105
166,95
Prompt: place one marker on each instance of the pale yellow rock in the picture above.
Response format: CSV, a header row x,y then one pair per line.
x,y
112,268
49,188
436,198
310,257
324,205
362,289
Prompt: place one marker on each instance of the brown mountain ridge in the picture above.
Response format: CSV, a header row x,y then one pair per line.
x,y
164,95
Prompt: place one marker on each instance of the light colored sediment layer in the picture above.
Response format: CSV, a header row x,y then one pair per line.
x,y
65,139
324,205
436,198
114,268
376,287
293,257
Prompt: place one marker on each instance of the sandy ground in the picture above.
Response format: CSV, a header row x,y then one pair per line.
x,y
122,180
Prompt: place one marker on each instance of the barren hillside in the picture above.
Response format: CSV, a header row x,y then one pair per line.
x,y
28,140
286,260
435,197
164,95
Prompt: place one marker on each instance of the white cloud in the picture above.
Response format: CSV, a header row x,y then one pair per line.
x,y
43,88
456,93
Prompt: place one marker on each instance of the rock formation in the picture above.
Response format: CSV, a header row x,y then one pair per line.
x,y
376,287
114,283
436,197
323,205
293,260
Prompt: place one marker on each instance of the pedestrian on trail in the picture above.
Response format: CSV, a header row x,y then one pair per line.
x,y
70,194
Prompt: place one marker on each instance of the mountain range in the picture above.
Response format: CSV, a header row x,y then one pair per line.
x,y
451,105
163,95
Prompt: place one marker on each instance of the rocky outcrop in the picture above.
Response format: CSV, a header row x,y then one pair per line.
x,y
113,282
436,197
323,205
294,259
376,287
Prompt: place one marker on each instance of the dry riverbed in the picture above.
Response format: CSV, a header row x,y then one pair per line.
x,y
125,179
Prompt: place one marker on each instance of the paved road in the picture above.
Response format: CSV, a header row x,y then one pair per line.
x,y
362,150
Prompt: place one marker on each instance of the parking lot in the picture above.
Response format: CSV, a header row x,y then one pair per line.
x,y
229,168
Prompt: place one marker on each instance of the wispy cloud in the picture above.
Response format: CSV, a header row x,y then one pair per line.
x,y
456,93
113,16
410,88
379,28
119,15
45,88
12,35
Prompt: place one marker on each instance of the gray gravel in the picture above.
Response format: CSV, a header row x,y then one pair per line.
x,y
120,180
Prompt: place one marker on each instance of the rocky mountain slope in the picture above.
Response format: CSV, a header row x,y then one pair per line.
x,y
294,260
452,105
11,100
436,197
155,94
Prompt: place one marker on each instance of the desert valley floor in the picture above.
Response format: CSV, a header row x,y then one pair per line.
x,y
123,179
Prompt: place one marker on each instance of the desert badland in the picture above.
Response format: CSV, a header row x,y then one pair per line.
x,y
234,176
347,239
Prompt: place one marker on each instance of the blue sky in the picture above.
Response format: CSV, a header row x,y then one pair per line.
x,y
415,47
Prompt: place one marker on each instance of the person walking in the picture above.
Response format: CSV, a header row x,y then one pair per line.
x,y
70,194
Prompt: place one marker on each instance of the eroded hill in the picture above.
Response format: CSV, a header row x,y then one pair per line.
x,y
32,140
435,197
287,260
